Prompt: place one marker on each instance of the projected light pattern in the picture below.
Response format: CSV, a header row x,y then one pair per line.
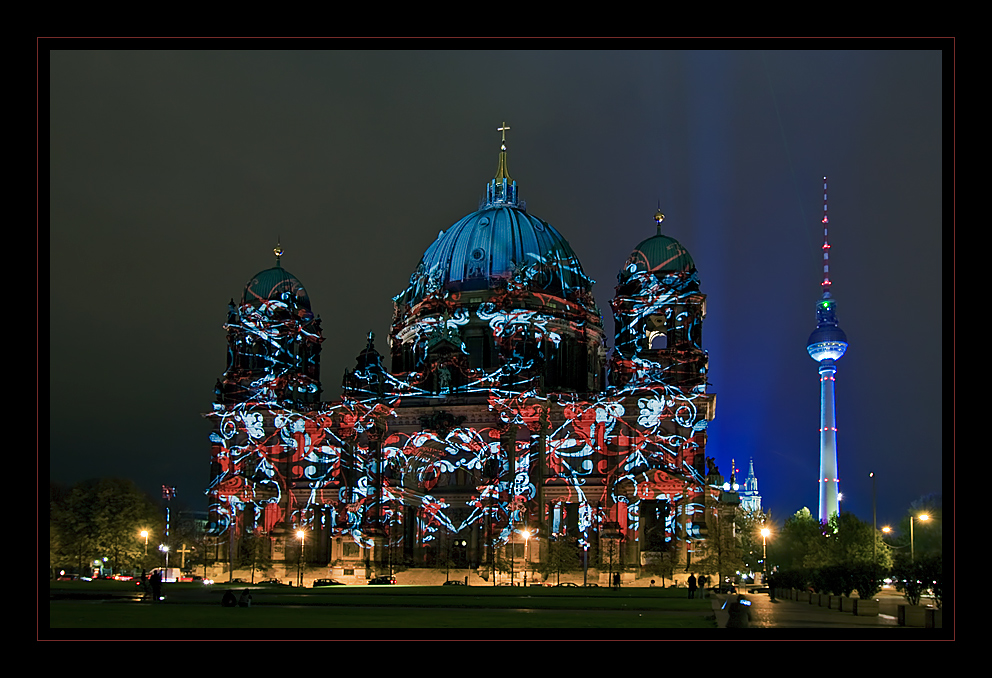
x,y
349,469
602,457
495,413
658,311
273,347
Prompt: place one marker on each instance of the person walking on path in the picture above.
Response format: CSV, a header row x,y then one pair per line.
x,y
692,585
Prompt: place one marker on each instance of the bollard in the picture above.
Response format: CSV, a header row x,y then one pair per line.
x,y
865,607
912,615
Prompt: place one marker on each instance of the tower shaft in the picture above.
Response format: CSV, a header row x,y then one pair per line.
x,y
829,489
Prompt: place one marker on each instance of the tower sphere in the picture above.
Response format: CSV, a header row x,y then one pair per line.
x,y
827,343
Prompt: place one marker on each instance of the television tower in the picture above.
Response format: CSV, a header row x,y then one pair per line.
x,y
826,345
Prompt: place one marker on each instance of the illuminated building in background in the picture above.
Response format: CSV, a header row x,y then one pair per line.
x,y
750,499
826,345
498,412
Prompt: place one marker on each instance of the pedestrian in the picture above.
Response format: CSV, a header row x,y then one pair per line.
x,y
229,600
701,582
652,583
692,585
145,592
245,600
157,586
616,580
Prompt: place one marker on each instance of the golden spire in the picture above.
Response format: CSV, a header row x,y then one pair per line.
x,y
501,172
277,250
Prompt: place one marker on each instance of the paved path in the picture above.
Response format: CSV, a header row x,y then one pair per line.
x,y
790,614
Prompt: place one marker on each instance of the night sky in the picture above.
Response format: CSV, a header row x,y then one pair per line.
x,y
173,174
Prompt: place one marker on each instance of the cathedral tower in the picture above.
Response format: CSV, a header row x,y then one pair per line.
x,y
658,315
274,342
826,345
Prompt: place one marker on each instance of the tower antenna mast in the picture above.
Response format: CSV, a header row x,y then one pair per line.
x,y
826,243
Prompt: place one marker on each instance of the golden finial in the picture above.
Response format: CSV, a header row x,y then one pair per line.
x,y
658,218
501,171
277,250
503,130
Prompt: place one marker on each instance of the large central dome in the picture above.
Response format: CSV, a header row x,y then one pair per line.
x,y
499,300
499,242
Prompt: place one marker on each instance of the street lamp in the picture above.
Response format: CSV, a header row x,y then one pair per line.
x,y
526,534
874,522
301,535
912,551
764,554
165,549
144,533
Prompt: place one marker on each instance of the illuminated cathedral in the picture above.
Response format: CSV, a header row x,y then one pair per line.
x,y
499,423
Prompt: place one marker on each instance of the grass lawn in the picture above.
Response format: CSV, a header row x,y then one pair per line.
x,y
192,606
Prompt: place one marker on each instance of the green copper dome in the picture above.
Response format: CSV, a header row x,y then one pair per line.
x,y
661,254
275,284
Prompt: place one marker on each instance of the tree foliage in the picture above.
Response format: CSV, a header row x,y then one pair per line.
x,y
804,543
927,535
255,553
922,575
749,524
99,519
562,555
800,543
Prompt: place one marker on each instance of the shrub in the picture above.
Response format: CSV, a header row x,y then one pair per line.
x,y
867,579
837,580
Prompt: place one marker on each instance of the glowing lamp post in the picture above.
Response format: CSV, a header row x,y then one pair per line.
x,y
764,554
301,535
144,533
526,534
912,551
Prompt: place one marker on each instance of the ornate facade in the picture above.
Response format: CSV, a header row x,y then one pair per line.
x,y
498,414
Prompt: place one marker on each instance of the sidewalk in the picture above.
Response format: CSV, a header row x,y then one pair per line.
x,y
790,614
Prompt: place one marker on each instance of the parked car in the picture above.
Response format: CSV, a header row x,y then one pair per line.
x,y
328,582
382,580
273,581
453,582
567,583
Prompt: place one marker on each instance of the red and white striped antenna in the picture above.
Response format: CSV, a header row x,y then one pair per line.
x,y
826,245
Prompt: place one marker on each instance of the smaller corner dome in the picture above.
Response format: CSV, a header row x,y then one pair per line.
x,y
275,284
660,254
